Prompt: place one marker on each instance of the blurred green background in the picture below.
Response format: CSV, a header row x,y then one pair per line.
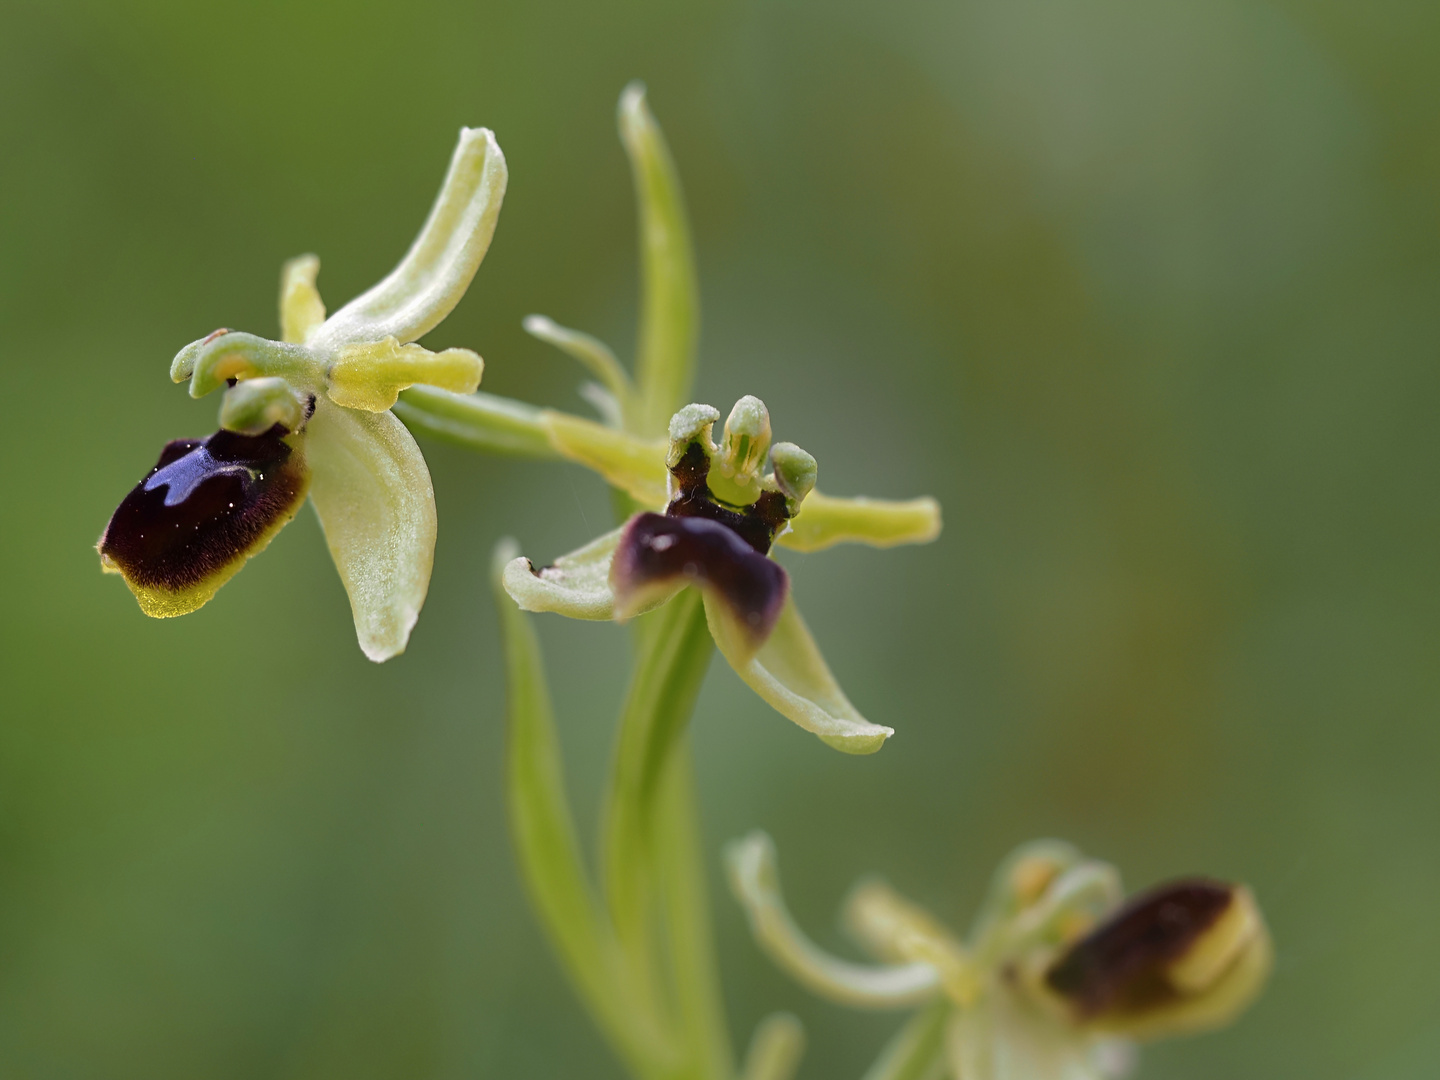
x,y
1145,291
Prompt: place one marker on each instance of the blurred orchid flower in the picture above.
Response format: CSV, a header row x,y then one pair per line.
x,y
311,413
1058,980
721,515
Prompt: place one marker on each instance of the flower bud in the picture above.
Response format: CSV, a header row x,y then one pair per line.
x,y
1186,956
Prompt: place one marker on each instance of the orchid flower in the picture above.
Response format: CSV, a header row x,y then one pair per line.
x,y
721,514
311,413
1060,977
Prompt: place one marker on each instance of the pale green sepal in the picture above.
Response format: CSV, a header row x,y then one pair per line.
x,y
575,585
439,266
791,675
775,1049
825,520
593,353
301,309
478,421
635,466
669,301
917,1051
255,406
372,491
604,403
755,880
542,829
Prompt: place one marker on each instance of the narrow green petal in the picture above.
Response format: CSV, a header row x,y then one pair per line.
x,y
917,1052
372,491
775,1049
790,674
301,309
371,375
669,300
437,269
593,353
825,520
755,881
575,585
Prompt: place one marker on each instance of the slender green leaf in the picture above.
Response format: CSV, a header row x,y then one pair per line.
x,y
669,302
543,832
775,1049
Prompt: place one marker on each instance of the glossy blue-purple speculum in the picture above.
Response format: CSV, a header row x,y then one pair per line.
x,y
205,506
701,541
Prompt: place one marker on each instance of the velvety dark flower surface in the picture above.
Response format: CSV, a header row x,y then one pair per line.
x,y
1122,964
206,507
657,551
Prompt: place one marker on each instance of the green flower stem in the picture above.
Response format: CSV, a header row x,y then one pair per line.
x,y
681,872
673,647
478,421
917,1052
543,833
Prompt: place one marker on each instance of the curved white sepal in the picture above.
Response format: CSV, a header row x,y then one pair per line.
x,y
437,269
755,881
372,491
791,675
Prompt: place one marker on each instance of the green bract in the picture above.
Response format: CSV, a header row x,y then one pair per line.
x,y
322,394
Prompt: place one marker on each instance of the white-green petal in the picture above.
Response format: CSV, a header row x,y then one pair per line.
x,y
372,491
1006,1038
437,269
575,585
791,675
755,880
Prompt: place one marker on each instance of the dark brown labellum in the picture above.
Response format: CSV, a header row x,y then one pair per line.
x,y
206,506
1123,965
658,550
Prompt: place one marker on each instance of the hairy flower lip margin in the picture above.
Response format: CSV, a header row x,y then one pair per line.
x,y
205,508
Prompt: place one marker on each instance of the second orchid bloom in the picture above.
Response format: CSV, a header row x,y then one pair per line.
x,y
721,515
